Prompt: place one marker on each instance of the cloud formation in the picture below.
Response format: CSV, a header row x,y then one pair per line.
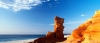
x,y
83,15
17,5
74,22
51,24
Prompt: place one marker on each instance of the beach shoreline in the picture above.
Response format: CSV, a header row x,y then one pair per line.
x,y
20,41
25,41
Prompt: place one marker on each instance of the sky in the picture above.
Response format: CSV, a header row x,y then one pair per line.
x,y
37,16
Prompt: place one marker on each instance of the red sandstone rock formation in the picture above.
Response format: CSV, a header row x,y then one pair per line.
x,y
89,32
53,37
58,27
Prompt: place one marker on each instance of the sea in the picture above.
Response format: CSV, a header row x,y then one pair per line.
x,y
8,38
18,38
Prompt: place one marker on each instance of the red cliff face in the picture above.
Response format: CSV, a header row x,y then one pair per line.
x,y
53,37
88,32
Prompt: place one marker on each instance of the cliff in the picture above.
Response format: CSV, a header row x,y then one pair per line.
x,y
88,32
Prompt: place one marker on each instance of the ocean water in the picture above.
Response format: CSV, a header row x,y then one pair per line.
x,y
20,38
6,38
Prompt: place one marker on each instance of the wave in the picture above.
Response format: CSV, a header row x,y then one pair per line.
x,y
19,41
25,41
66,36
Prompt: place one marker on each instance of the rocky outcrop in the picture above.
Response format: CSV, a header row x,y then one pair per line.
x,y
89,32
58,27
53,37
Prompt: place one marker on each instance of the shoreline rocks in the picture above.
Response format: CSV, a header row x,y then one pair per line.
x,y
53,37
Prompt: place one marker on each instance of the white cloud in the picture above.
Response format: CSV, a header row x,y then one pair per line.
x,y
17,5
51,24
74,22
45,0
82,15
56,0
48,0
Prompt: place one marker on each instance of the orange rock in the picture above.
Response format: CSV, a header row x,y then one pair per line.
x,y
89,32
58,27
50,35
92,33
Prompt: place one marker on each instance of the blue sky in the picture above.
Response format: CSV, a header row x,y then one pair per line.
x,y
37,16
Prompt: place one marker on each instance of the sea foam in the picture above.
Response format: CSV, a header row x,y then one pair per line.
x,y
19,41
25,41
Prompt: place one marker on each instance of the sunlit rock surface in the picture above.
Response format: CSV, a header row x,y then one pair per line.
x,y
58,27
88,32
